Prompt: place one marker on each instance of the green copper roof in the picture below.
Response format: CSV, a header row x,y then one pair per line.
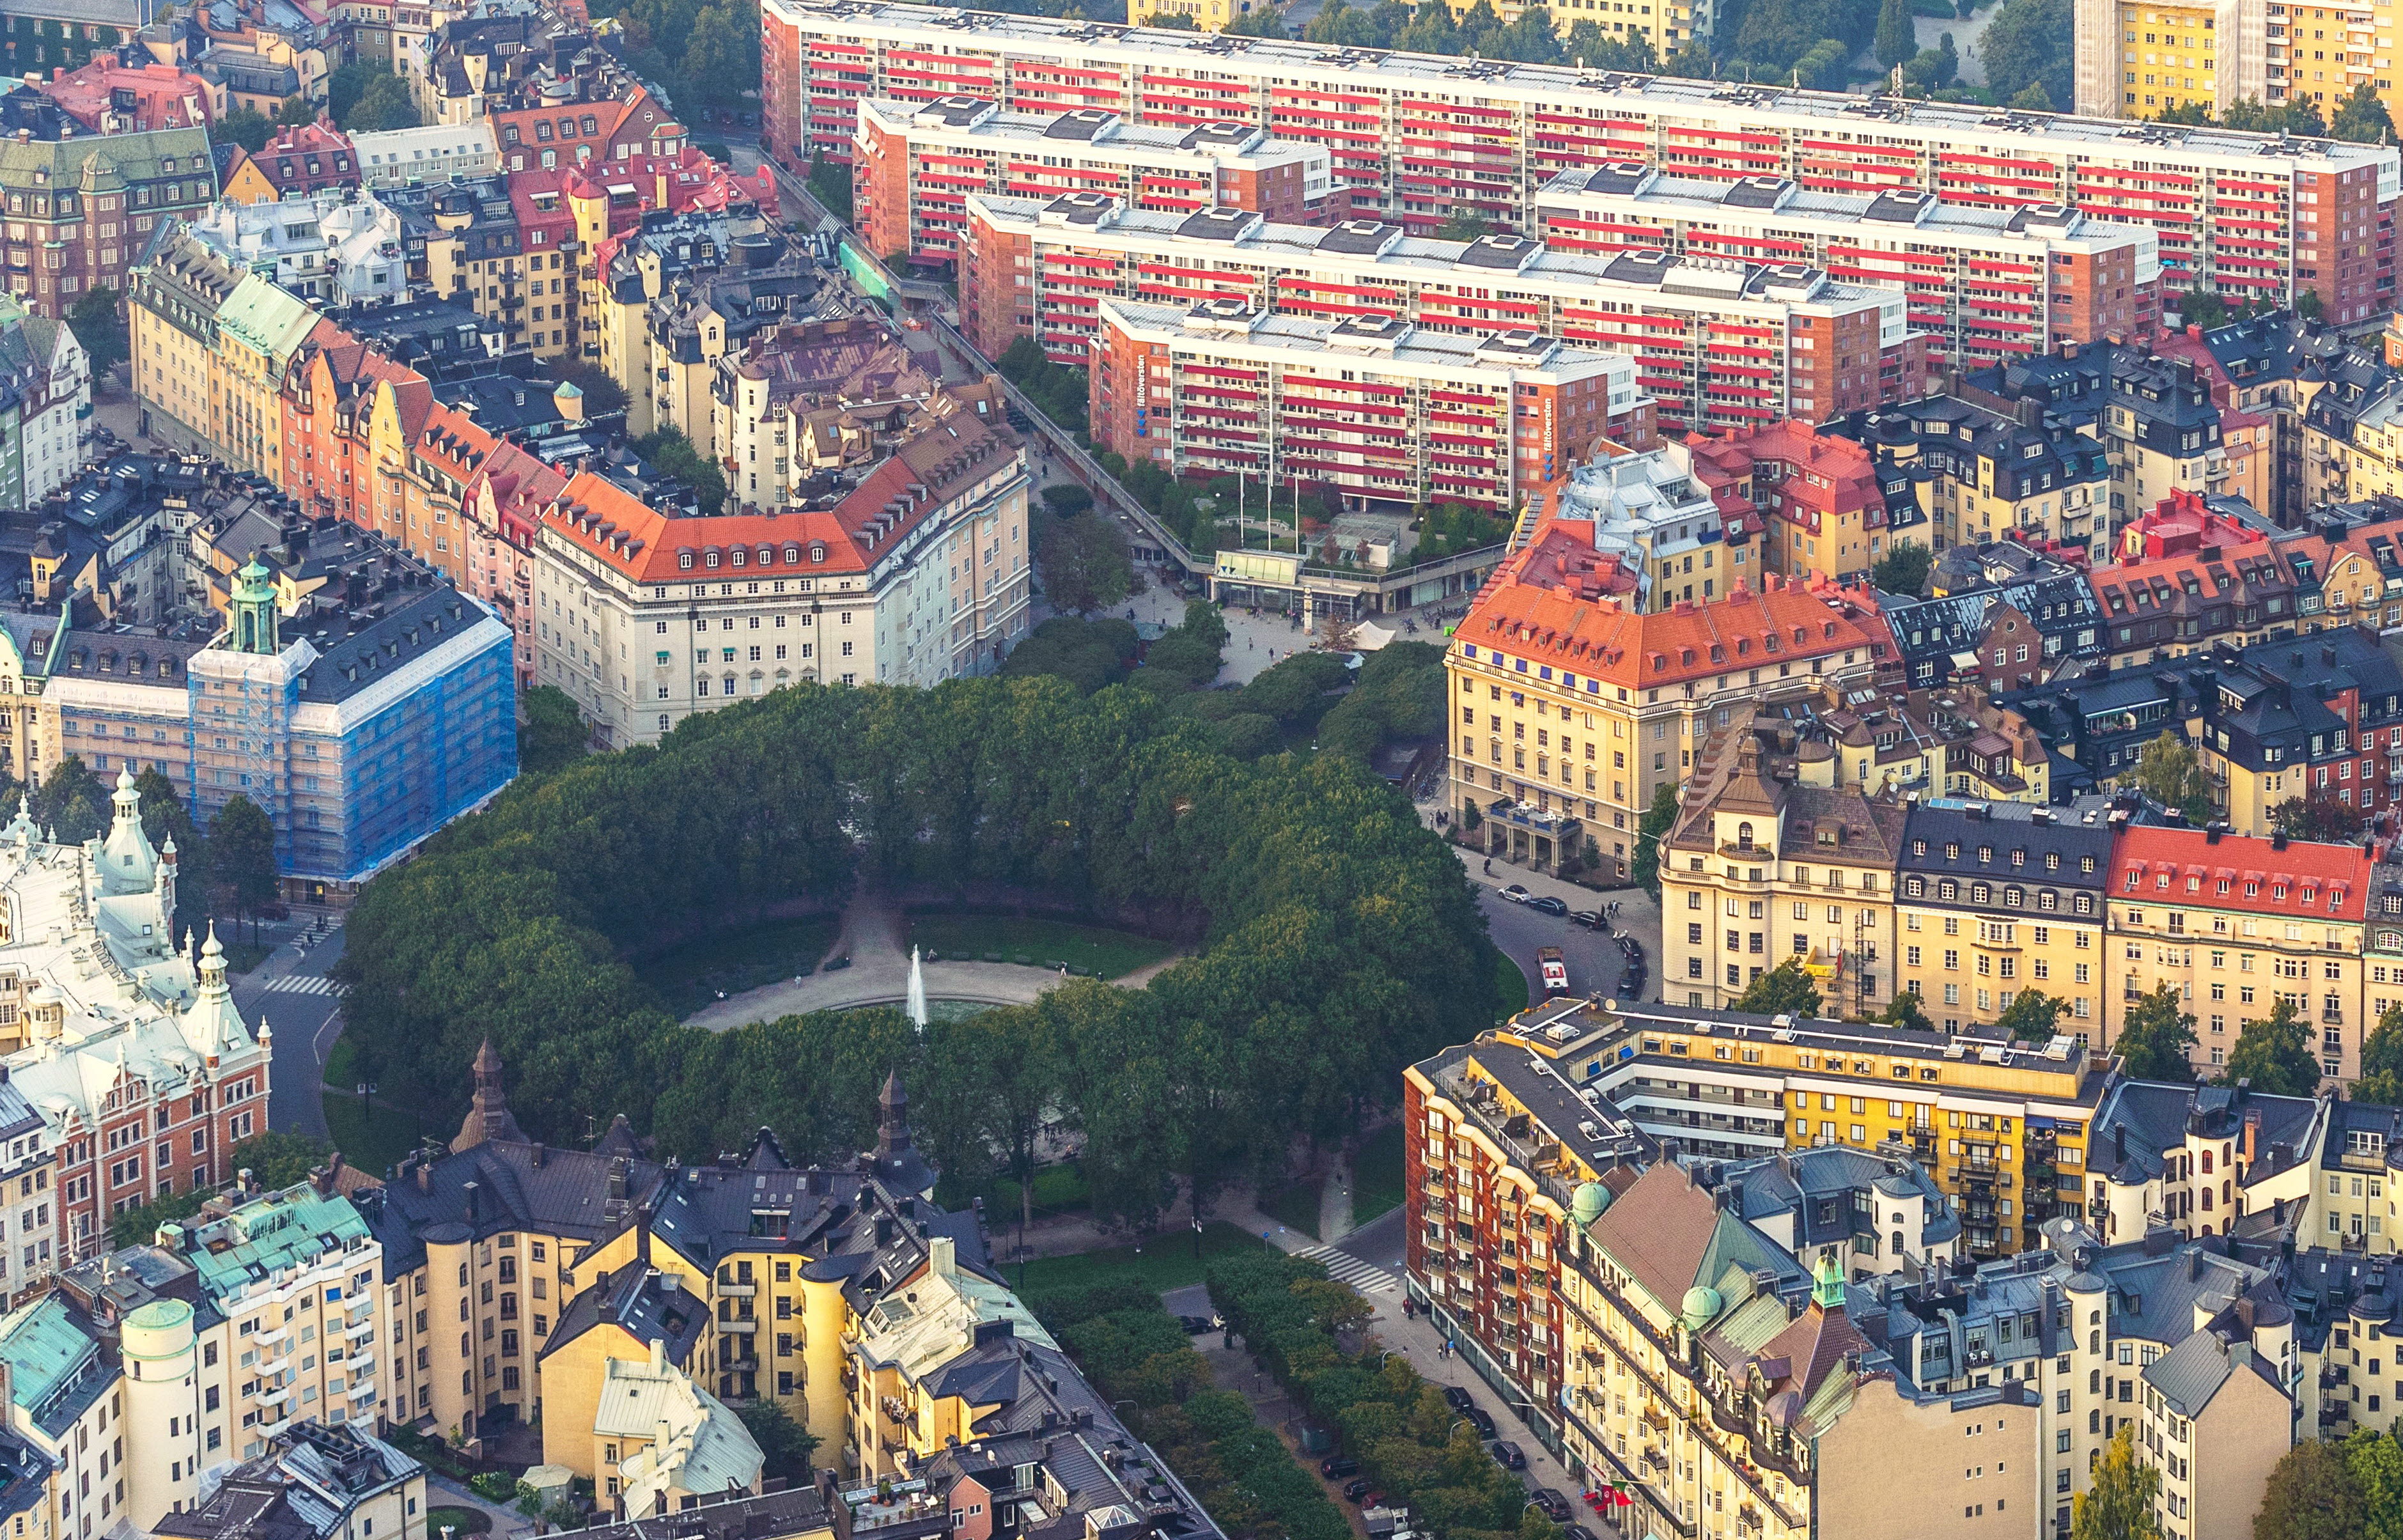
x,y
266,318
1827,1285
283,1230
45,1350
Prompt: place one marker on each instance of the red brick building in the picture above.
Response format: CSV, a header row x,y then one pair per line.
x,y
1718,346
913,166
1373,407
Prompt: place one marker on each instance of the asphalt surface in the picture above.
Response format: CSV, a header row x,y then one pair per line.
x,y
1594,960
306,1020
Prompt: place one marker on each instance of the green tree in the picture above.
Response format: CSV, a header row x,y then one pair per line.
x,y
276,1160
1263,21
2309,306
241,857
2275,1052
2375,1462
1650,830
2171,773
139,1225
2033,1015
830,184
1894,45
786,1443
2201,308
1907,1013
2118,1504
1082,563
2026,48
1784,990
296,112
242,126
1465,224
1904,569
2381,1061
385,104
2155,1038
70,802
672,454
2311,1494
2361,118
551,732
2316,815
99,325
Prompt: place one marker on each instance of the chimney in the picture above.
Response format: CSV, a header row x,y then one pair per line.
x,y
941,1256
426,1176
659,1353
2252,1132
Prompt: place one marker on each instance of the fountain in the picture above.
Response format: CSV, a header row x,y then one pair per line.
x,y
916,1006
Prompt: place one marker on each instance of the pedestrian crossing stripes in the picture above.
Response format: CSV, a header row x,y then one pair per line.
x,y
1344,1267
298,984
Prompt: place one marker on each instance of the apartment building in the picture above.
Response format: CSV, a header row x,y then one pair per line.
x,y
298,160
1743,841
2173,597
1994,899
1678,520
1975,475
315,1481
913,166
392,158
910,571
2136,60
1632,698
2036,607
1986,282
1639,1258
2265,217
82,210
2313,716
1718,344
792,403
2236,925
1821,505
1371,406
334,247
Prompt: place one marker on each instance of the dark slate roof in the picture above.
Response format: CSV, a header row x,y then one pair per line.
x,y
2190,1375
1830,1190
2138,1120
2011,843
2272,695
501,1186
641,1302
770,1516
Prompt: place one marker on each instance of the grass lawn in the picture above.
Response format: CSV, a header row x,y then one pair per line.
x,y
691,976
342,1064
1057,1189
1510,986
1377,1175
242,956
1166,1262
1295,1206
372,1141
1107,953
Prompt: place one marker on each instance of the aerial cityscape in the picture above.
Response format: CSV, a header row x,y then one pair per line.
x,y
1201,769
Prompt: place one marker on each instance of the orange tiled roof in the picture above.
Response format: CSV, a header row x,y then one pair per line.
x,y
1547,606
2187,866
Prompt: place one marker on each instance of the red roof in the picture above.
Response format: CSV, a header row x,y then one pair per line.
x,y
164,97
2187,866
1550,604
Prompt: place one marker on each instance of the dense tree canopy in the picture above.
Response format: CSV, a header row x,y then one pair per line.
x,y
2275,1052
2171,773
2025,49
1337,938
2155,1038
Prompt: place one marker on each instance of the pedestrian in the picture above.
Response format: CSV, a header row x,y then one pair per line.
x,y
1489,866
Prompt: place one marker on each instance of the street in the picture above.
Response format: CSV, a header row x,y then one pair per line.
x,y
291,993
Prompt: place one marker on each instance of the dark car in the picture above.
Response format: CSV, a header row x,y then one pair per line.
x,y
1195,1324
1576,1531
1508,1456
1548,904
1481,1419
1358,1489
1335,1466
1588,917
1514,894
1458,1399
1555,1506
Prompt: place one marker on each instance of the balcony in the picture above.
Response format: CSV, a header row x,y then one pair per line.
x,y
737,1291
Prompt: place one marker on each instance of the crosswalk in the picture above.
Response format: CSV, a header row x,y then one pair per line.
x,y
293,983
1344,1267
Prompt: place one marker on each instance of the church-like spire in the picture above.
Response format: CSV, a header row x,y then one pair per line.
x,y
489,1116
213,1026
128,864
898,1160
1827,1285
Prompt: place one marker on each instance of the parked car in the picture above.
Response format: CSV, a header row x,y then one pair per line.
x,y
1548,904
1335,1466
1481,1419
1508,1455
1514,894
1576,1531
1195,1324
1358,1489
1458,1399
1590,919
1555,970
1555,1506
